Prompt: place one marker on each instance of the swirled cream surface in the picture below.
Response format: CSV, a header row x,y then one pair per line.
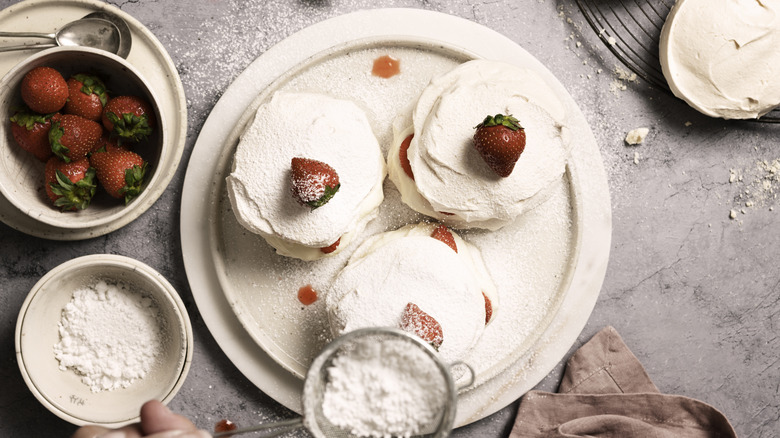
x,y
451,180
723,56
313,126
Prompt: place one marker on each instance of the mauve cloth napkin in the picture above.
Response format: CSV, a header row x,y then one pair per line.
x,y
605,393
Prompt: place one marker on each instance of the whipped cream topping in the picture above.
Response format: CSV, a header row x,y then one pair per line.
x,y
314,126
394,268
722,57
451,180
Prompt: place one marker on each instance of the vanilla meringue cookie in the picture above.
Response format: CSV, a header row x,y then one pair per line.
x,y
452,182
319,127
722,56
392,269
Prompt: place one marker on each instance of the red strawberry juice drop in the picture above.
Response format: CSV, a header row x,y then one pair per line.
x,y
224,426
307,295
386,67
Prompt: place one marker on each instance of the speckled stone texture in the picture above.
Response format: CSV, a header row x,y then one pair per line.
x,y
694,293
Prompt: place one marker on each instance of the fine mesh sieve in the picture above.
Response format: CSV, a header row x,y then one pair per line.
x,y
367,345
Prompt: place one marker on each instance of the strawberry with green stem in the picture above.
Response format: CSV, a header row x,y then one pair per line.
x,y
87,96
129,118
73,137
313,182
121,172
31,132
70,186
500,140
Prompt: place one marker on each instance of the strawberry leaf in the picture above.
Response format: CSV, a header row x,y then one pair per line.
x,y
329,192
55,135
134,179
130,126
74,196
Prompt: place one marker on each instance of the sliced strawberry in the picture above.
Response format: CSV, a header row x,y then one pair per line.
x,y
120,171
500,140
331,248
73,137
128,117
313,182
31,132
416,321
404,157
443,233
70,186
44,90
488,309
87,96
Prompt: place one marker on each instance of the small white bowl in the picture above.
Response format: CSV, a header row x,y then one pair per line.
x,y
62,391
22,175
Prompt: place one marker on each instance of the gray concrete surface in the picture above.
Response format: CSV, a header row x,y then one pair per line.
x,y
694,293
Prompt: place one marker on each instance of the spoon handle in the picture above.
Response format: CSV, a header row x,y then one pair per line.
x,y
50,36
27,47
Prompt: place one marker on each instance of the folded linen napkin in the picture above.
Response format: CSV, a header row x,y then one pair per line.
x,y
605,393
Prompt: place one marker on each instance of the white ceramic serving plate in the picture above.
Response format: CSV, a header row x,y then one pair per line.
x,y
246,293
147,56
62,391
22,175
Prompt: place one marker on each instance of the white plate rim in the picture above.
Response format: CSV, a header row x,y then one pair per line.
x,y
248,357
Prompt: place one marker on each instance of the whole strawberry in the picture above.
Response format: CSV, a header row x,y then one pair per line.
x,y
121,172
313,182
44,90
31,132
87,96
500,140
415,320
73,137
128,117
70,186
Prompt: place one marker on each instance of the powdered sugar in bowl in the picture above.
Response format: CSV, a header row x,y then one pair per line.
x,y
99,335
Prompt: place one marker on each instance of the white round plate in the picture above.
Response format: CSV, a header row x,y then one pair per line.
x,y
247,294
147,55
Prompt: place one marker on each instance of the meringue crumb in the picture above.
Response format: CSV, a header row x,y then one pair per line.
x,y
625,75
637,136
687,124
612,41
732,214
636,157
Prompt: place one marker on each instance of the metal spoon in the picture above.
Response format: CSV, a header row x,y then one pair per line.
x,y
87,32
125,36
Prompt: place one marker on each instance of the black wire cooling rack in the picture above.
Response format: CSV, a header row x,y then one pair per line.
x,y
631,30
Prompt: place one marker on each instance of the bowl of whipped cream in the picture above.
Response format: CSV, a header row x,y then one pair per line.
x,y
99,335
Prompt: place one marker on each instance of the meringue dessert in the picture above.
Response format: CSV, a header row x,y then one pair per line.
x,y
281,185
436,166
722,57
413,278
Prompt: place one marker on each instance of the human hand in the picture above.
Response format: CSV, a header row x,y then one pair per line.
x,y
157,421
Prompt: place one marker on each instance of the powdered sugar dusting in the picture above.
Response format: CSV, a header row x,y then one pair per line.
x,y
316,127
110,335
384,389
528,260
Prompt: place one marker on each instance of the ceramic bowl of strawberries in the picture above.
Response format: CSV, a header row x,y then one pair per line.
x,y
81,137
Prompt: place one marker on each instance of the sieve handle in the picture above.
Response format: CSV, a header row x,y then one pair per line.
x,y
471,377
281,426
